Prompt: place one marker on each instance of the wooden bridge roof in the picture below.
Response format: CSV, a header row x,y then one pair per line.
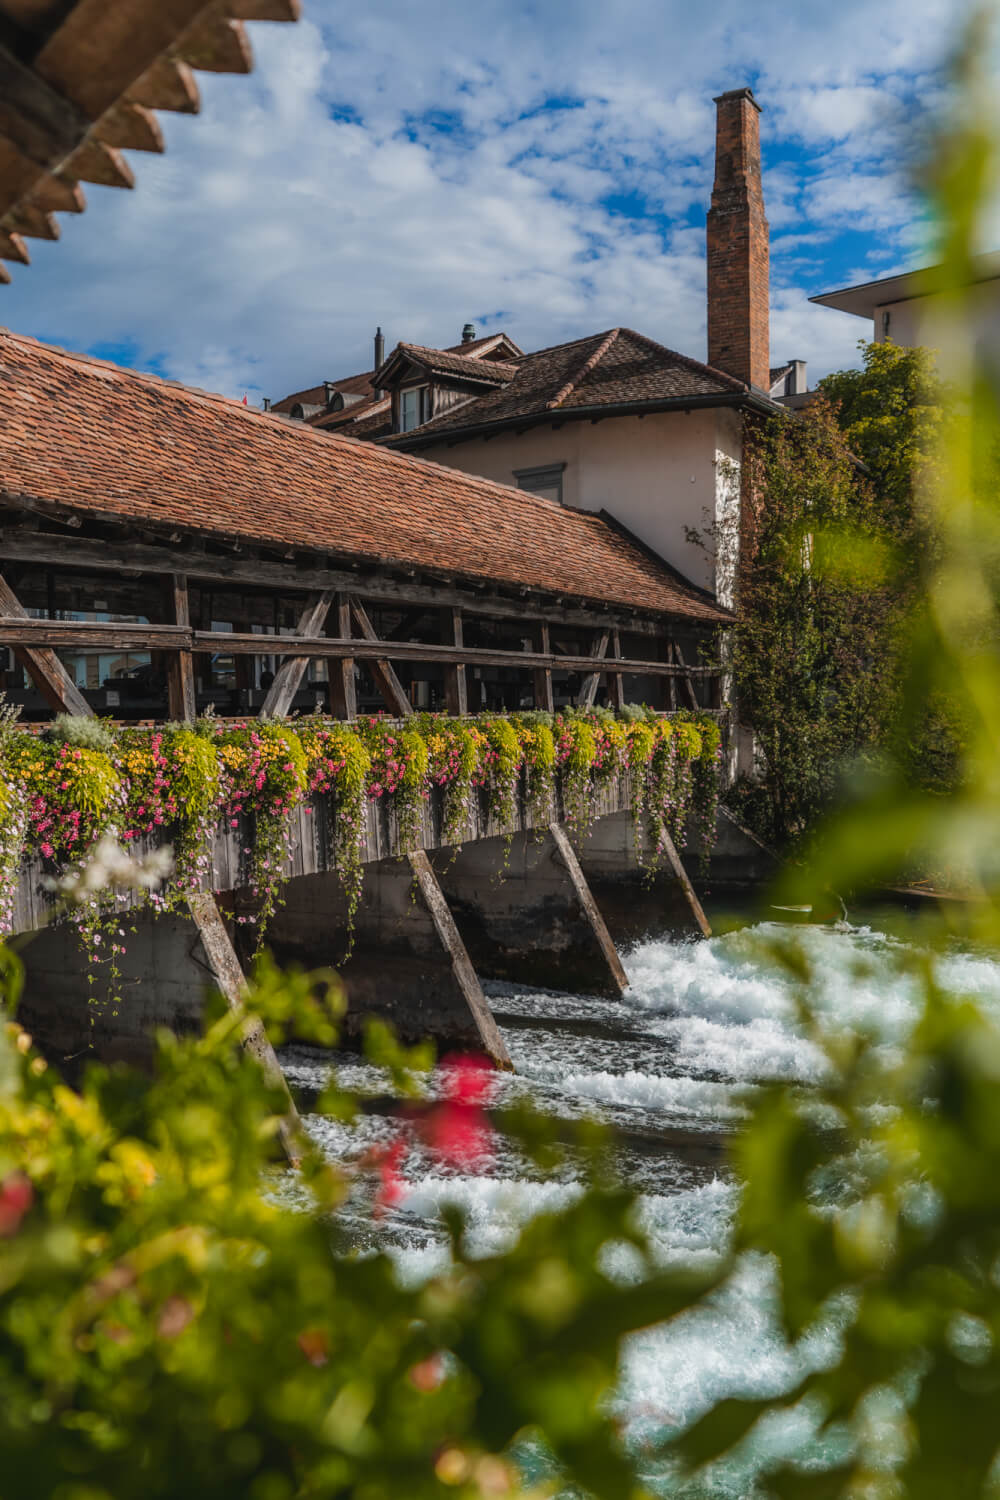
x,y
88,437
80,80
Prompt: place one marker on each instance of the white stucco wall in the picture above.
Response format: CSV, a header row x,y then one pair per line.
x,y
659,475
925,320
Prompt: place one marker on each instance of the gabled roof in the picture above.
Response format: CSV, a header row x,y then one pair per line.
x,y
617,369
81,79
445,362
364,384
123,445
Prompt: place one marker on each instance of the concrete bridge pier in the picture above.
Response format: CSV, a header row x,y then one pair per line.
x,y
408,963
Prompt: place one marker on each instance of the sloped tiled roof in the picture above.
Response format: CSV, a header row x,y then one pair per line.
x,y
363,384
495,372
616,368
81,433
82,79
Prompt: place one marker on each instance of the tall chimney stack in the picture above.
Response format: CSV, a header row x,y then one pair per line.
x,y
738,246
379,356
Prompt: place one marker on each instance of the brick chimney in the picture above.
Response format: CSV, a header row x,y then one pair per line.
x,y
738,246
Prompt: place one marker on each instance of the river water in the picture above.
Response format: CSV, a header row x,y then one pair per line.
x,y
670,1067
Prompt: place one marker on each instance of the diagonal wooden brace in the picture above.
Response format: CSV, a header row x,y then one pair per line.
x,y
290,673
588,689
585,896
43,665
465,975
382,670
229,978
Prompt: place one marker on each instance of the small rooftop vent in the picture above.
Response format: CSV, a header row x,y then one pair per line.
x,y
469,333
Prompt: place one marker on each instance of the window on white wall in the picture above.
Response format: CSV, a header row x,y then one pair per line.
x,y
546,481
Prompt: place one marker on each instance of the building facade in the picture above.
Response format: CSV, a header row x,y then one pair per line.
x,y
613,423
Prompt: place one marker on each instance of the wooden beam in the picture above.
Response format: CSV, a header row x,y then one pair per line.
x,y
591,911
290,673
686,682
147,557
42,664
232,985
455,687
100,636
181,695
343,689
382,670
616,682
461,965
588,688
41,123
674,860
543,675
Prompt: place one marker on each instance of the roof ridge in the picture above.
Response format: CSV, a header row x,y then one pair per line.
x,y
594,358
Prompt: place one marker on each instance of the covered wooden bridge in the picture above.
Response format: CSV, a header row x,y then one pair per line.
x,y
165,551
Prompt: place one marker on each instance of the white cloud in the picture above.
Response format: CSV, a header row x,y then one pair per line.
x,y
376,170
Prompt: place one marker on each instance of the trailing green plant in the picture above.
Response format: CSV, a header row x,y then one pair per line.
x,y
179,783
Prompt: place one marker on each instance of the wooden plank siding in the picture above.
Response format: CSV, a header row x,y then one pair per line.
x,y
313,844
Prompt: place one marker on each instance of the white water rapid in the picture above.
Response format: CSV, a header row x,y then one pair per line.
x,y
670,1067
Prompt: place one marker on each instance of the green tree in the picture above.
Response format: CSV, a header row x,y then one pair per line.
x,y
811,652
890,412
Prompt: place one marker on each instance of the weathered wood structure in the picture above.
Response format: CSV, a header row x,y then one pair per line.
x,y
164,551
80,80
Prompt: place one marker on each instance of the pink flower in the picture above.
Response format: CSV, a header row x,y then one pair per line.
x,y
16,1197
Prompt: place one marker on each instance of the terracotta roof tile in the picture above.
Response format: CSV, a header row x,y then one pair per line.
x,y
82,433
617,367
496,372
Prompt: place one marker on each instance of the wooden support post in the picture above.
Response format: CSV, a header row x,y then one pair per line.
x,y
343,690
674,860
671,681
588,688
290,673
461,965
543,675
616,680
590,908
690,693
182,702
43,665
382,670
456,691
229,978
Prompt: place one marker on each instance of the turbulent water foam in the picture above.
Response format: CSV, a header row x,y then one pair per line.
x,y
702,1023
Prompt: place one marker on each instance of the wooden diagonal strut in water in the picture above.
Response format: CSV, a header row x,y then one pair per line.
x,y
461,964
229,977
674,861
591,910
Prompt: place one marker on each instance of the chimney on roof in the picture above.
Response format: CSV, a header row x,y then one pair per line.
x,y
379,356
469,333
738,246
329,391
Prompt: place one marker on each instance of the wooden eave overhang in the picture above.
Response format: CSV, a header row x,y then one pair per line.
x,y
753,401
80,82
78,537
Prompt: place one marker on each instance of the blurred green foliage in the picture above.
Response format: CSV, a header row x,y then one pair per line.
x,y
168,1326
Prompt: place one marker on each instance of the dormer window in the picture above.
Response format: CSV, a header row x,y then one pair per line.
x,y
414,407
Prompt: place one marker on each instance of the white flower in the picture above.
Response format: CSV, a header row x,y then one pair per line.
x,y
109,866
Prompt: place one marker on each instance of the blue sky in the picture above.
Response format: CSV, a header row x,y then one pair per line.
x,y
543,166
